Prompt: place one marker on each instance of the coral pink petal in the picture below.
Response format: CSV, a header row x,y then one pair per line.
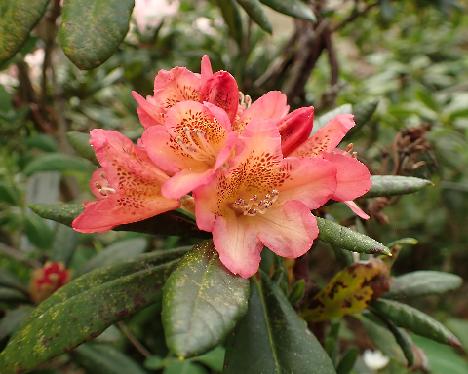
x,y
356,209
289,230
352,177
206,199
206,69
176,85
327,138
185,181
158,144
295,128
271,106
221,89
236,242
105,214
311,181
148,113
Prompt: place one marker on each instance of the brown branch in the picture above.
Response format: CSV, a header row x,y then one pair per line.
x,y
132,339
354,15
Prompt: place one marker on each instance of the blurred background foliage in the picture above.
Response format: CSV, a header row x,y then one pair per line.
x,y
407,58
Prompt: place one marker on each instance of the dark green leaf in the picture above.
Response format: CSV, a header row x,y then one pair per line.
x,y
213,359
65,243
202,302
345,238
12,319
231,15
42,141
57,162
254,9
363,111
92,30
184,367
65,325
420,323
105,359
38,231
391,185
154,362
80,143
347,362
63,213
293,8
11,281
422,283
115,253
272,339
17,18
12,295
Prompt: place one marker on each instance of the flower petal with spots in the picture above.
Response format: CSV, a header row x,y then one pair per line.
x,y
128,185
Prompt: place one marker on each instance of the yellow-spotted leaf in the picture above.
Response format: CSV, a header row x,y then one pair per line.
x,y
350,291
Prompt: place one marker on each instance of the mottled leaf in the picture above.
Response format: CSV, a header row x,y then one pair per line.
x,y
272,339
422,283
343,237
420,323
105,359
92,30
79,318
17,18
57,162
202,301
350,291
254,9
293,8
392,185
80,143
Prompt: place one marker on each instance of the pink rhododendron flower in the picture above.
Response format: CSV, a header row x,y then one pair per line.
x,y
196,139
294,127
263,199
127,186
352,176
180,84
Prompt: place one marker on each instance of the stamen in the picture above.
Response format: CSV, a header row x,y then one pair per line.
x,y
104,190
253,205
201,151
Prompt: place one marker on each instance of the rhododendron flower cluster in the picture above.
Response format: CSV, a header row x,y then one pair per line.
x,y
252,168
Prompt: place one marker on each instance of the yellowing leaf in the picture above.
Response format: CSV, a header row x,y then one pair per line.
x,y
350,291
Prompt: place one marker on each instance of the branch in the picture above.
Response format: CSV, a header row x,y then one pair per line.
x,y
133,340
354,15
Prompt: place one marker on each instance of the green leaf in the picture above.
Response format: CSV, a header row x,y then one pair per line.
x,y
42,141
231,15
171,223
363,111
92,30
105,359
12,319
202,301
80,143
57,162
293,8
422,283
254,9
213,359
184,367
271,338
37,231
65,325
11,295
392,185
115,253
65,243
327,117
17,18
9,280
347,362
348,239
420,323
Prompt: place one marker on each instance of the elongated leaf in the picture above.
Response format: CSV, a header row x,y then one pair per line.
x,y
92,30
293,8
254,9
392,185
170,223
80,143
350,291
231,15
420,323
347,362
105,359
65,243
12,319
10,281
12,295
422,283
57,162
363,111
272,339
79,318
115,253
202,302
17,18
348,239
